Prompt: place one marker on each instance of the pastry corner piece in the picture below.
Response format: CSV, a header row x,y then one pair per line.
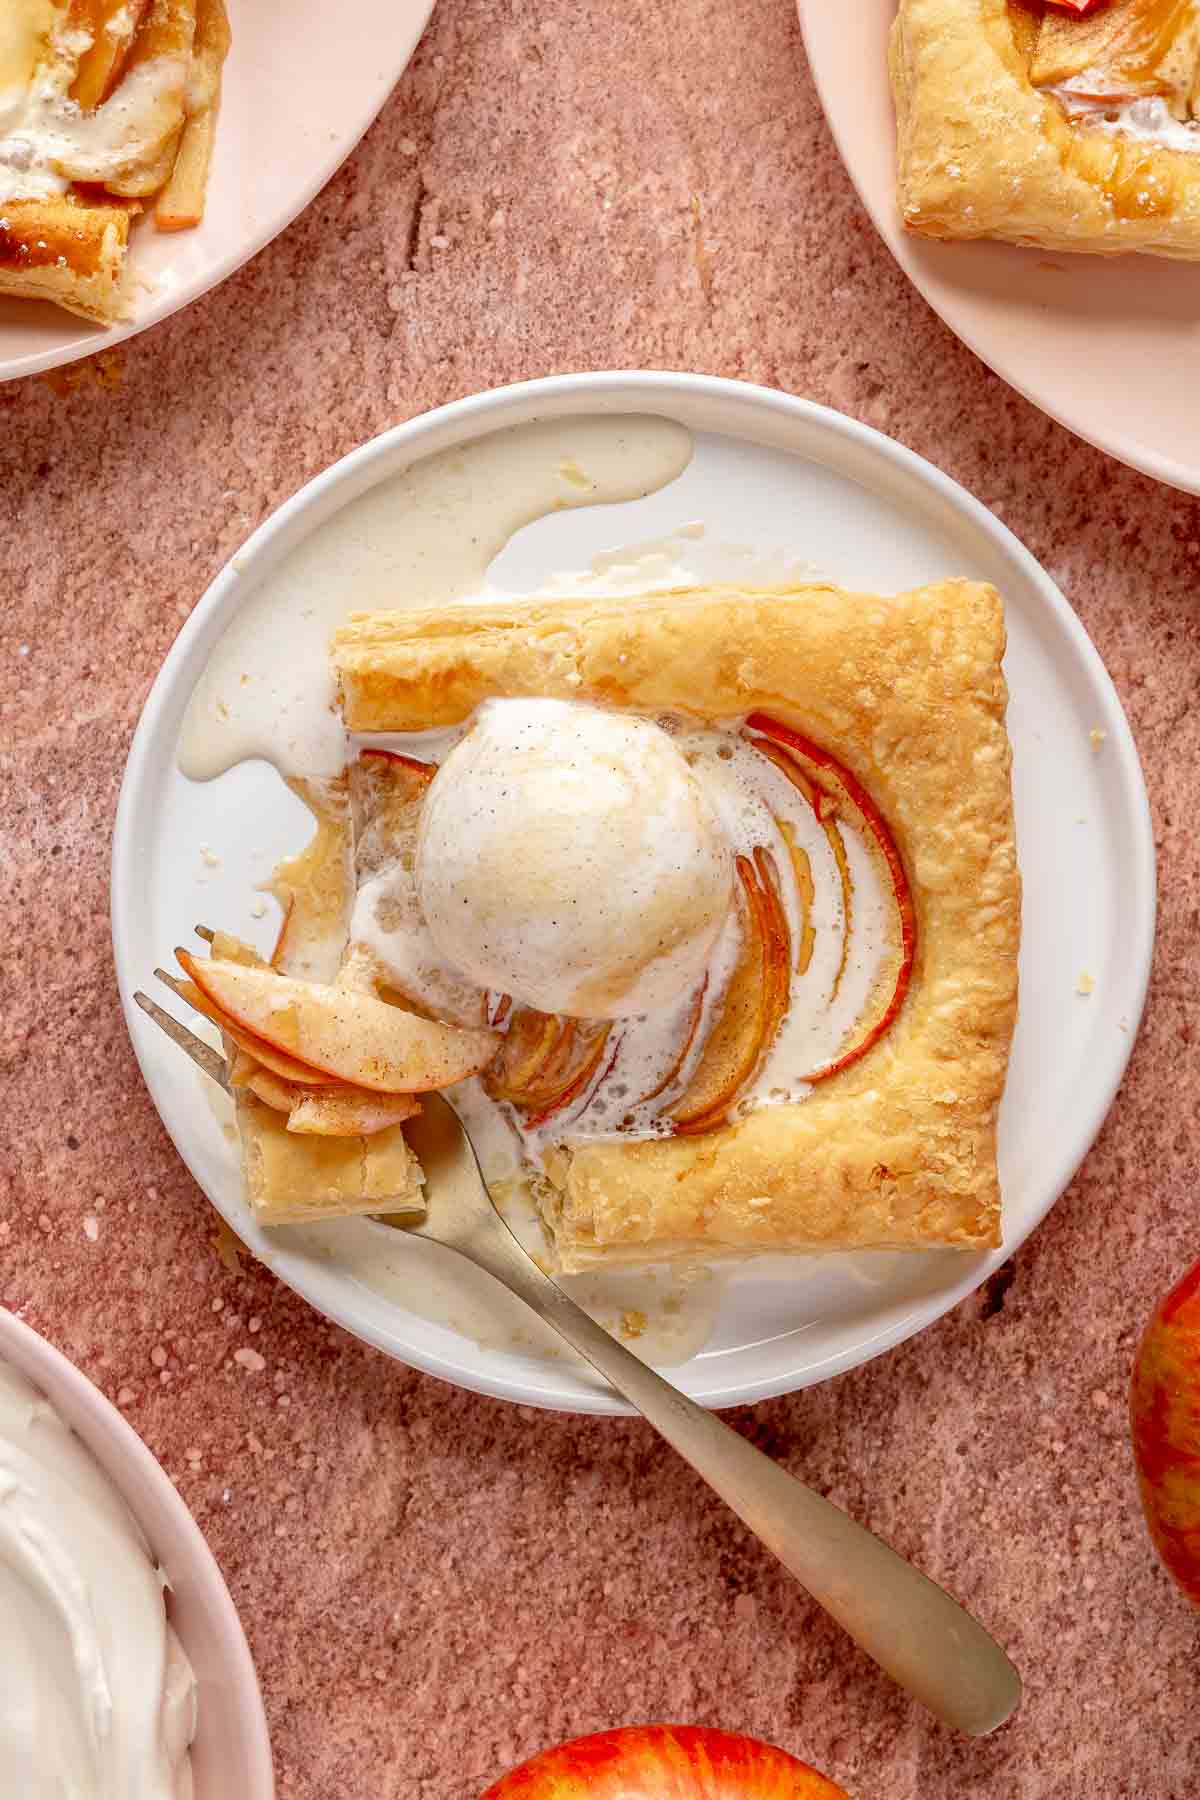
x,y
297,1180
68,253
897,1149
1043,126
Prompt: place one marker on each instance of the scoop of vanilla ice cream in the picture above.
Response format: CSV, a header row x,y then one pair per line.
x,y
569,857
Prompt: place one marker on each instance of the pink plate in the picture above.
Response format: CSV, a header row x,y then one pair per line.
x,y
1107,347
303,81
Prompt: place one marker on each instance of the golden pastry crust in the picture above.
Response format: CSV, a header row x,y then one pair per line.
x,y
296,1180
68,253
900,1149
983,153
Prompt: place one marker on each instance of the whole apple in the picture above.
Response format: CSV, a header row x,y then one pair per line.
x,y
664,1762
1165,1418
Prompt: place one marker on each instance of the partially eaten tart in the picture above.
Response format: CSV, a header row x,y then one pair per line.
x,y
709,899
1073,127
106,107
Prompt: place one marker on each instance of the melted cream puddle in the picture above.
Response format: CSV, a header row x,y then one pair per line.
x,y
425,537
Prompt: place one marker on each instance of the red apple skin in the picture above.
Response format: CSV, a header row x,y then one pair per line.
x,y
664,1762
1164,1407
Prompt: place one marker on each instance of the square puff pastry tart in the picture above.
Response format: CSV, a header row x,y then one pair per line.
x,y
898,1149
1042,126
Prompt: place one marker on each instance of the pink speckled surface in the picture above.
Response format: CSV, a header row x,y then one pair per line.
x,y
433,1585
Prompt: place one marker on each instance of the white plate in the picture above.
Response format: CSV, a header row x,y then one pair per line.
x,y
783,475
1046,323
231,1754
302,83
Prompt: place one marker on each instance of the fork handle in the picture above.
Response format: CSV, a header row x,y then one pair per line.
x,y
909,1625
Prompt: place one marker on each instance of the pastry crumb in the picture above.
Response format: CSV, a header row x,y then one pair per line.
x,y
259,909
1085,984
225,1241
633,1323
1096,738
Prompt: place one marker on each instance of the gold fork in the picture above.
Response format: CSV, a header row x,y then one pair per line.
x,y
910,1626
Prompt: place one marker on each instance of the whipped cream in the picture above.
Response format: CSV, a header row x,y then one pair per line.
x,y
97,1698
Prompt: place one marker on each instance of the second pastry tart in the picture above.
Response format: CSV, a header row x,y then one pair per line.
x,y
1041,125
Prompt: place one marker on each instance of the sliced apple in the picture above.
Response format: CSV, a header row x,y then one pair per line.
x,y
113,25
228,948
242,1066
387,792
771,737
578,1060
687,1038
343,1031
526,1052
754,1003
806,893
347,1113
261,1054
314,887
1117,50
274,1091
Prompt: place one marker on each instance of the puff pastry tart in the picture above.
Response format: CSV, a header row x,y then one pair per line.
x,y
721,886
105,106
1073,129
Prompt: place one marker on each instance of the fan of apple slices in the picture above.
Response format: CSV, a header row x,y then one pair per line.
x,y
350,1057
548,1066
337,1060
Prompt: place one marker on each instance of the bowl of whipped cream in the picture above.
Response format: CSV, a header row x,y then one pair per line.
x,y
125,1668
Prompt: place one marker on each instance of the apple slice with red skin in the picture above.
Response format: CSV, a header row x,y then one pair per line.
x,y
687,1039
1164,1408
391,788
665,1762
525,1053
288,1068
803,749
343,1031
572,1070
752,1007
337,1112
545,1062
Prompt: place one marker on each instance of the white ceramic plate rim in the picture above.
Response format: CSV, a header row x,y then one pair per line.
x,y
886,222
173,299
643,391
123,1456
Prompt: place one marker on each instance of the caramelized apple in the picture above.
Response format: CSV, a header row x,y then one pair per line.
x,y
811,767
753,1005
313,889
545,1062
1115,53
